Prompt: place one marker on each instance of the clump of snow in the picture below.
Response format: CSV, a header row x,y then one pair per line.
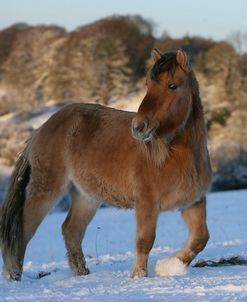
x,y
170,267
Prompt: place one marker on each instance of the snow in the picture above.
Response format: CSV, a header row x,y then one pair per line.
x,y
42,116
171,266
37,118
109,249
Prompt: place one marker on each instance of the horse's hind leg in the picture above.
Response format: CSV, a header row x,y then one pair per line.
x,y
41,195
195,218
80,214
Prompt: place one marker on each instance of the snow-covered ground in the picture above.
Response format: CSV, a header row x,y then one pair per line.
x,y
109,249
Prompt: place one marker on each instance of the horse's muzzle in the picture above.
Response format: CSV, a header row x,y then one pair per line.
x,y
142,130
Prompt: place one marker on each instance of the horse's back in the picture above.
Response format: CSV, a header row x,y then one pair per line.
x,y
82,122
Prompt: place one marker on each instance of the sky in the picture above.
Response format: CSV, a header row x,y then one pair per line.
x,y
208,18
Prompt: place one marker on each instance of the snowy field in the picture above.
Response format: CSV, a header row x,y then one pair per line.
x,y
109,249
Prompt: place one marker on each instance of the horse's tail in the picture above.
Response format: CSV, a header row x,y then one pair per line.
x,y
12,209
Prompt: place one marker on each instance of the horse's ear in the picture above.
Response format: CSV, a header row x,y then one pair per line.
x,y
156,55
182,59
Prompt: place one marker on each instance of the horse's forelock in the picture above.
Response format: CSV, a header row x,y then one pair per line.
x,y
167,62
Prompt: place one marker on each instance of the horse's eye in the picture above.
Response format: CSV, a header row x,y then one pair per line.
x,y
172,86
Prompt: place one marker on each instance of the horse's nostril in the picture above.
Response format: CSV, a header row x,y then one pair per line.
x,y
141,127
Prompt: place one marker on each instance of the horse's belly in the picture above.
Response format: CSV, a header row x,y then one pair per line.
x,y
106,191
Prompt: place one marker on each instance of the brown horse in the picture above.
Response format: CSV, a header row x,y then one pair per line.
x,y
153,160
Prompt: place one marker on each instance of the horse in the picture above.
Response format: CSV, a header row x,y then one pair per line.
x,y
152,160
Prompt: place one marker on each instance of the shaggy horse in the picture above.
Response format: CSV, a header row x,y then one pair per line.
x,y
153,160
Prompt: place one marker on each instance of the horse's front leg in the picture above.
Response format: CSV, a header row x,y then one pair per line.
x,y
146,218
195,218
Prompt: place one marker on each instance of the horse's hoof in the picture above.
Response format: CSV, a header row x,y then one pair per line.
x,y
139,273
12,276
86,271
16,277
82,271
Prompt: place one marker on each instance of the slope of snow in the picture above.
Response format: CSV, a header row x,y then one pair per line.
x,y
109,249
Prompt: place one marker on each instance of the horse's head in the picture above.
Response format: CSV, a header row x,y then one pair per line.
x,y
166,106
